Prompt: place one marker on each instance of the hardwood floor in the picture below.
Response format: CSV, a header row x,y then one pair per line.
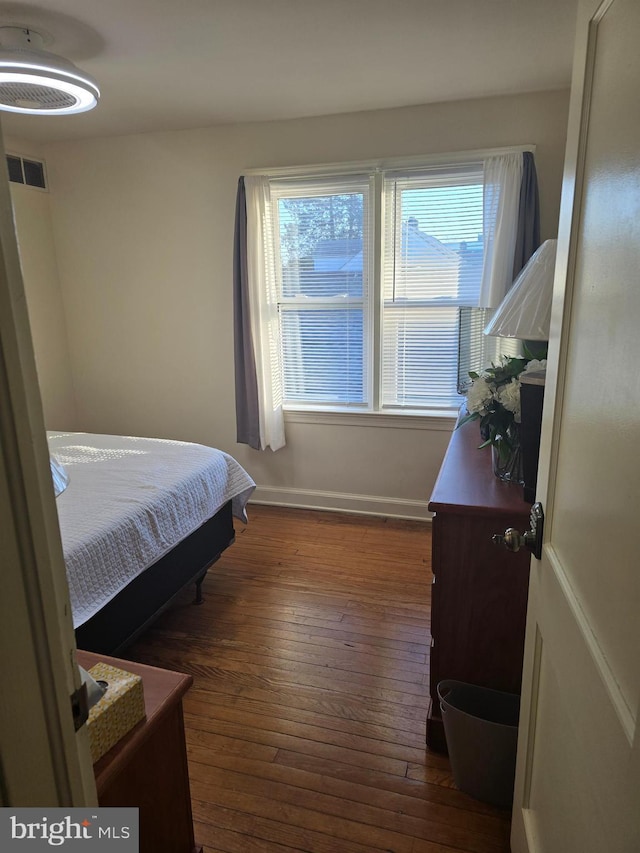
x,y
306,722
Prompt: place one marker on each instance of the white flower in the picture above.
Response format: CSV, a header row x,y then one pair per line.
x,y
535,364
509,397
479,396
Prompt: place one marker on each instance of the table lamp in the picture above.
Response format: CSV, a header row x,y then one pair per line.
x,y
525,313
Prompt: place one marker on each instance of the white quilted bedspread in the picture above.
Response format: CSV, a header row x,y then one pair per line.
x,y
129,501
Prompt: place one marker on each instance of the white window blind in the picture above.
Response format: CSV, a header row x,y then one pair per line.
x,y
432,267
398,331
323,253
478,350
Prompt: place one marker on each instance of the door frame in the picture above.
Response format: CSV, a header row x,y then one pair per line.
x,y
43,761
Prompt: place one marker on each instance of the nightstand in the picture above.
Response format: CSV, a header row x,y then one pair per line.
x,y
148,767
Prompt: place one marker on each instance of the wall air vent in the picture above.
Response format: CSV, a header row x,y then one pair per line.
x,y
23,170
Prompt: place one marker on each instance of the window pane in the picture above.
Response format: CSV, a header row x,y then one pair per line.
x,y
434,239
322,272
432,266
323,356
321,250
420,357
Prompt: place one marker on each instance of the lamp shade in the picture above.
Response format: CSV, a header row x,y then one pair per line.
x,y
525,312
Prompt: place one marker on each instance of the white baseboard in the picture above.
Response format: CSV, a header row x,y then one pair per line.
x,y
341,502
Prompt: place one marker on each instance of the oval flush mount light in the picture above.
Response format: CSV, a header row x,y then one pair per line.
x,y
36,82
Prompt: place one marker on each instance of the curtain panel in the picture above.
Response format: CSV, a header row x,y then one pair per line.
x,y
528,231
502,181
515,245
247,405
258,293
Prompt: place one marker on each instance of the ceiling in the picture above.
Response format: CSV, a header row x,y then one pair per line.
x,y
172,64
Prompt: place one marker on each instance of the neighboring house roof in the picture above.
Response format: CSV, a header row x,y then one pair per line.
x,y
421,246
339,264
346,254
334,255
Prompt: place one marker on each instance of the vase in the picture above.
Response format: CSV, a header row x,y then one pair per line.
x,y
507,461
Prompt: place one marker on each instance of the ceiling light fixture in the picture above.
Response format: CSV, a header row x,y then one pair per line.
x,y
36,82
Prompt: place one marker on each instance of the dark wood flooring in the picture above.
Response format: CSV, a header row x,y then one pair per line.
x,y
306,722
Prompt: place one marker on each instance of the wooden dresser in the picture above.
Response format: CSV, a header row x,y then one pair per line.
x,y
148,767
479,595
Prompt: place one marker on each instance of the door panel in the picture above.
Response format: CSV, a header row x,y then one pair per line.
x,y
578,779
600,416
579,785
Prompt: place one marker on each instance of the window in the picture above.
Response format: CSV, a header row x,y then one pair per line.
x,y
433,253
376,281
322,248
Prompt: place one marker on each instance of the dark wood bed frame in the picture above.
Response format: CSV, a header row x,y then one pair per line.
x,y
136,606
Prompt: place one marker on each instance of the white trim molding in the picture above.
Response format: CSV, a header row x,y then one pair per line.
x,y
44,760
387,163
382,420
342,502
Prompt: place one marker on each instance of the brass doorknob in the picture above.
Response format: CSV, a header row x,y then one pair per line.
x,y
513,540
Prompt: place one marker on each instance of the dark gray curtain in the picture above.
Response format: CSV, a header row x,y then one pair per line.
x,y
528,236
247,413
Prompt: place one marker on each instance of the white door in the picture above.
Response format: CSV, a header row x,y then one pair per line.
x,y
578,776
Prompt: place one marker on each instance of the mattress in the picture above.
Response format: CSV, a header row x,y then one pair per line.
x,y
130,501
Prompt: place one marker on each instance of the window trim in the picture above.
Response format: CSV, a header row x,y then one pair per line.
x,y
376,170
389,419
388,164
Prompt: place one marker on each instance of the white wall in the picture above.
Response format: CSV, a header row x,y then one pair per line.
x,y
31,208
143,231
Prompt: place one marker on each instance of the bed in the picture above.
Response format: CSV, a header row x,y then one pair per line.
x,y
140,519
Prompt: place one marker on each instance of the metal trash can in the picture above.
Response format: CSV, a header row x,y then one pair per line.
x,y
481,728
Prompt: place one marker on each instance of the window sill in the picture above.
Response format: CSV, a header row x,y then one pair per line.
x,y
444,421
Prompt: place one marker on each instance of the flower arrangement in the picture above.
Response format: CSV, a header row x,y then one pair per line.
x,y
494,400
